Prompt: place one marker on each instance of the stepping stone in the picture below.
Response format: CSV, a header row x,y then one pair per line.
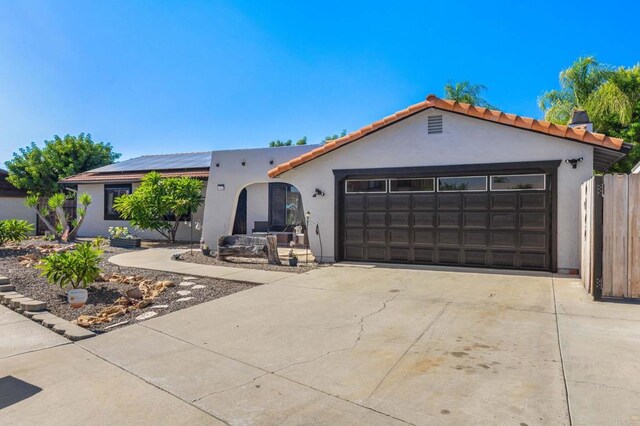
x,y
199,286
7,299
15,303
116,325
146,315
41,316
186,284
190,278
3,295
183,292
184,299
33,306
53,320
75,333
61,326
6,288
4,280
159,306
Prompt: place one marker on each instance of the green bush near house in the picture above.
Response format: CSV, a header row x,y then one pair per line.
x,y
14,230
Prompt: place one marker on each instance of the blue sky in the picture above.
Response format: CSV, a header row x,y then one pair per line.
x,y
162,77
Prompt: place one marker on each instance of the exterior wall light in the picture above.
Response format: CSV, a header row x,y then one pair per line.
x,y
318,192
217,164
244,162
574,162
220,187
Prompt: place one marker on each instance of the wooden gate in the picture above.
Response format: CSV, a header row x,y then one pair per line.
x,y
610,236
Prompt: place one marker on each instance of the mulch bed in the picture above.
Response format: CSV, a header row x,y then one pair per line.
x,y
29,282
248,262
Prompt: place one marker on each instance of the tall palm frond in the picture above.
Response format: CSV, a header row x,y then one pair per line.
x,y
467,93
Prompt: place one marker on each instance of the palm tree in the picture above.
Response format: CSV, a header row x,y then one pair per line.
x,y
590,86
467,93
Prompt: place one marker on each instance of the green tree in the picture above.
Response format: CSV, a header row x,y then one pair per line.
x,y
159,203
611,97
289,142
468,93
38,170
62,228
334,136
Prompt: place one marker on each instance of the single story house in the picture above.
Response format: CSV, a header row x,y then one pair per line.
x,y
440,182
12,201
105,184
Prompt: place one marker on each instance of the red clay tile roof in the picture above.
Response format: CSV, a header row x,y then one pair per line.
x,y
433,101
97,177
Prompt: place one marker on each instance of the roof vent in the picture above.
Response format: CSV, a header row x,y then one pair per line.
x,y
434,124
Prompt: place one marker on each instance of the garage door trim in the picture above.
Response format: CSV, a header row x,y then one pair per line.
x,y
548,167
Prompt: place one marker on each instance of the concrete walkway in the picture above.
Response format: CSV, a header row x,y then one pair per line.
x,y
354,345
159,259
46,379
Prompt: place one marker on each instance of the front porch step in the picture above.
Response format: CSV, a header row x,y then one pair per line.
x,y
4,280
4,288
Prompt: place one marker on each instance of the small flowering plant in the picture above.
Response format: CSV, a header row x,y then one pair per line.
x,y
120,232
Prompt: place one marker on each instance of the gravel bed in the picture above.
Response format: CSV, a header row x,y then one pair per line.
x,y
248,262
28,281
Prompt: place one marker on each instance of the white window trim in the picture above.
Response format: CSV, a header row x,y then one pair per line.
x,y
346,189
486,185
413,192
544,180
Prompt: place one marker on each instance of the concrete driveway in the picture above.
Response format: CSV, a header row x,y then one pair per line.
x,y
384,345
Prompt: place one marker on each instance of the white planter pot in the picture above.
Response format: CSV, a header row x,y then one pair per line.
x,y
77,297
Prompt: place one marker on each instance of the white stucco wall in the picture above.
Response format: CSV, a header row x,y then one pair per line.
x,y
465,140
227,169
14,208
95,224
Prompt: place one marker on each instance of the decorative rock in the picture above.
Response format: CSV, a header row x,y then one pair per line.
x,y
6,288
184,299
33,306
159,306
75,333
134,293
4,280
116,325
183,292
190,278
197,287
146,315
186,284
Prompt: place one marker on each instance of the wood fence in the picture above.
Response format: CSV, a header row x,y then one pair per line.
x,y
610,236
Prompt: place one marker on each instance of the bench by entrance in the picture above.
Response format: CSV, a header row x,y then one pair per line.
x,y
249,246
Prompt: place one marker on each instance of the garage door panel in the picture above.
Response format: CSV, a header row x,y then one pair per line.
x,y
475,238
504,259
475,220
399,254
475,201
533,201
530,240
376,236
532,221
354,202
504,201
423,202
475,257
503,240
449,220
354,219
422,255
376,220
400,219
354,252
354,236
376,202
534,260
504,220
449,256
399,202
399,236
423,220
449,238
376,253
423,237
449,201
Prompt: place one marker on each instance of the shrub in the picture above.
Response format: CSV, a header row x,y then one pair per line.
x,y
55,204
77,268
98,241
14,230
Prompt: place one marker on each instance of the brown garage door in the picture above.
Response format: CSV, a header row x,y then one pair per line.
x,y
498,221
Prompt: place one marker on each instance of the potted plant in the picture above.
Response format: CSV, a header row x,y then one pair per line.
x,y
293,259
120,237
206,250
76,269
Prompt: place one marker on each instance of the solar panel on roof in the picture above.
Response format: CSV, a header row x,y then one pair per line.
x,y
194,160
